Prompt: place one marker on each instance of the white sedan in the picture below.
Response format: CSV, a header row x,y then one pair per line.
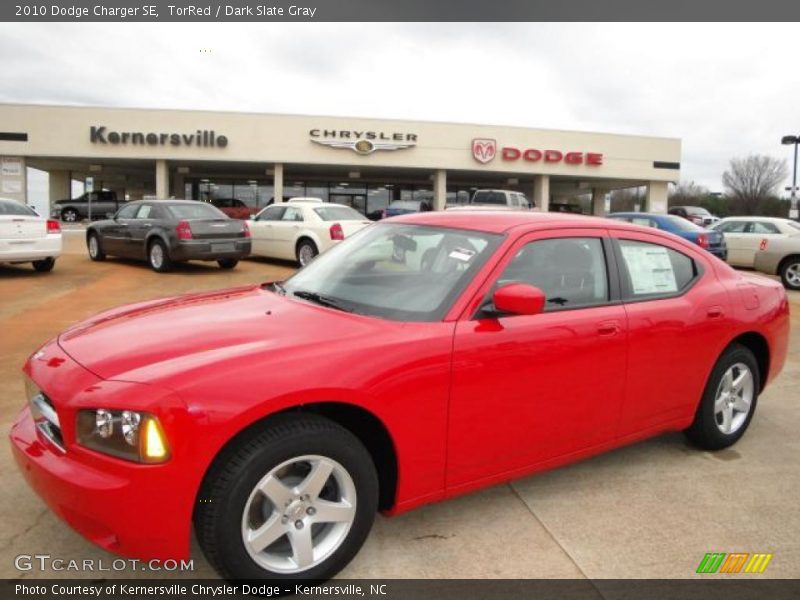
x,y
302,228
27,237
743,235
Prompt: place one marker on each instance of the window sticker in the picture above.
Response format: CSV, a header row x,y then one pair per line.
x,y
650,269
462,254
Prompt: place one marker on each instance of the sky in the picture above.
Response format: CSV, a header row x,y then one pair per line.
x,y
727,90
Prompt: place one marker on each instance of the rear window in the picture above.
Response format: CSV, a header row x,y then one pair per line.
x,y
489,198
338,213
682,224
406,204
196,211
16,209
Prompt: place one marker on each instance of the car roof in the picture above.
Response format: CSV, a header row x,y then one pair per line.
x,y
639,214
756,218
503,221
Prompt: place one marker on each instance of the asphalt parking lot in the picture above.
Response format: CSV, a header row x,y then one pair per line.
x,y
651,510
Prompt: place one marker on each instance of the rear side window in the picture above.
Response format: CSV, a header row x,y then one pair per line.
x,y
653,271
345,213
764,227
570,271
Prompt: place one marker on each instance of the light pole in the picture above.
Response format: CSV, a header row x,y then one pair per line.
x,y
789,140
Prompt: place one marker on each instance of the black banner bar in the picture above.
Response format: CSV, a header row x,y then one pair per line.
x,y
399,10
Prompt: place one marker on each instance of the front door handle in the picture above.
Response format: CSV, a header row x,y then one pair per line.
x,y
608,328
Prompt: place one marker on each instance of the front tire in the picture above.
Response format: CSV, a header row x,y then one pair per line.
x,y
728,402
790,273
95,249
227,263
292,500
306,252
45,265
158,256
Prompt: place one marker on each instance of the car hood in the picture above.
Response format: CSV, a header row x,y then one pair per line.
x,y
156,340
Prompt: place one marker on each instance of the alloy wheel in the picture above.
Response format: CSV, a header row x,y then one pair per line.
x,y
298,514
734,398
305,254
93,247
793,274
156,256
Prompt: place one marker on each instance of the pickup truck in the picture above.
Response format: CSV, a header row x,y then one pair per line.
x,y
495,200
75,209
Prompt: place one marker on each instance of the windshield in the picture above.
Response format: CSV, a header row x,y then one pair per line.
x,y
393,271
196,211
338,213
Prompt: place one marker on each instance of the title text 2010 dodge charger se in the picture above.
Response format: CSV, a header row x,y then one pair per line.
x,y
424,357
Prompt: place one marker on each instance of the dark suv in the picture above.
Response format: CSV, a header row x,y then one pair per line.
x,y
95,204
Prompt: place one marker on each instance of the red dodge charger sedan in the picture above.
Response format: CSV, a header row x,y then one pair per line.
x,y
427,356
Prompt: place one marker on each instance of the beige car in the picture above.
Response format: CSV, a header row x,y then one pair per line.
x,y
744,235
780,256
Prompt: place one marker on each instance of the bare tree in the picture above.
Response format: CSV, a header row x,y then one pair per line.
x,y
754,179
687,193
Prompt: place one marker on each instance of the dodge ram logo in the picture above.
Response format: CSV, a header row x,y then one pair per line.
x,y
484,149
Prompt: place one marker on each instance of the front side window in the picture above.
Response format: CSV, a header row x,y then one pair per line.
x,y
570,271
273,213
397,272
144,212
128,212
652,270
293,214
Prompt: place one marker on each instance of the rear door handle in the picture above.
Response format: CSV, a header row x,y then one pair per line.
x,y
608,328
715,312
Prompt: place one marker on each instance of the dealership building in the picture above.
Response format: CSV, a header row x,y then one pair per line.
x,y
366,163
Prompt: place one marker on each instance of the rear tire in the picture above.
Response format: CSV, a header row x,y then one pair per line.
x,y
45,265
95,249
306,252
227,263
728,402
70,215
158,256
256,490
790,273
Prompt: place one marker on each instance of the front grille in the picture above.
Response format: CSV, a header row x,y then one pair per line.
x,y
46,419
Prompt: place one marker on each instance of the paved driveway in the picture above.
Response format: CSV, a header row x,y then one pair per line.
x,y
649,510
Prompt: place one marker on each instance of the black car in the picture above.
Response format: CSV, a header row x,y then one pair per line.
x,y
167,231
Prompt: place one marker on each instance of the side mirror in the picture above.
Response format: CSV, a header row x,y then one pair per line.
x,y
519,299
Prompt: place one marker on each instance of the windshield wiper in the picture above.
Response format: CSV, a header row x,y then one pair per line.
x,y
321,300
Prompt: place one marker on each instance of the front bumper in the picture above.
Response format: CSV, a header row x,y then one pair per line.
x,y
136,510
209,249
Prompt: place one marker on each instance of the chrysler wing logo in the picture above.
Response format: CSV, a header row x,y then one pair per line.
x,y
365,147
484,149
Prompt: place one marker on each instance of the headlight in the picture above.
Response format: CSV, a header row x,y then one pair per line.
x,y
127,434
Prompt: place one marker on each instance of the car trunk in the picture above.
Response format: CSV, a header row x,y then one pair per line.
x,y
217,229
20,227
715,239
350,227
